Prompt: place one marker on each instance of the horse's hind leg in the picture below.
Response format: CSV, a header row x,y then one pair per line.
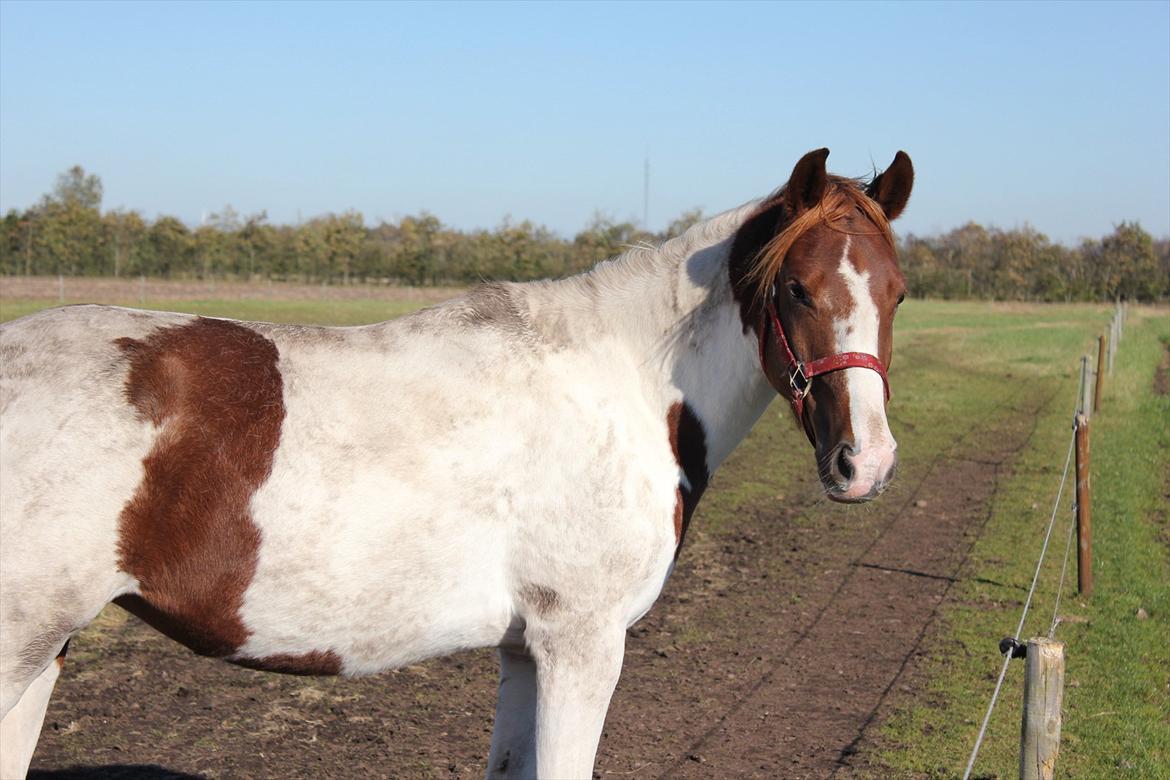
x,y
21,726
37,618
513,753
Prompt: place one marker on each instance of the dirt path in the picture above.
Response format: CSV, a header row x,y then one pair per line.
x,y
774,652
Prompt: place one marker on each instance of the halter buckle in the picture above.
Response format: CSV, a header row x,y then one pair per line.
x,y
799,382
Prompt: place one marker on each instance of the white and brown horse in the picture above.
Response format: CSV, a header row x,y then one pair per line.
x,y
515,468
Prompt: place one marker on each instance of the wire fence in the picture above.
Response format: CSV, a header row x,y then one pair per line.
x,y
1086,401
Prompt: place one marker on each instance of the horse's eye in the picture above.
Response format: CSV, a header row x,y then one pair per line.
x,y
901,298
798,293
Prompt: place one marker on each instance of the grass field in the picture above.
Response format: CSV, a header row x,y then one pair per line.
x,y
302,312
957,366
1116,720
265,301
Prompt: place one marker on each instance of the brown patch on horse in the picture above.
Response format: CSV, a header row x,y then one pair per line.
x,y
315,663
688,442
214,390
543,600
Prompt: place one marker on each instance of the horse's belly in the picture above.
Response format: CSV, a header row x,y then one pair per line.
x,y
374,590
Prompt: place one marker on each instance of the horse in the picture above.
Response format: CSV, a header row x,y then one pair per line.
x,y
515,468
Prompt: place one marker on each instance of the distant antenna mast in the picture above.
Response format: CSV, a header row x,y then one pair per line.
x,y
646,192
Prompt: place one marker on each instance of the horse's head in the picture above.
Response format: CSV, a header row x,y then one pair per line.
x,y
816,273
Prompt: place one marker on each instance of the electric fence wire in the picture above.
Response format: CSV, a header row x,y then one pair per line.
x,y
1027,603
1063,568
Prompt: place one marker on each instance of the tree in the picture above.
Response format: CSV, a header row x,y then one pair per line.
x,y
71,239
414,255
1128,265
343,236
12,230
311,250
75,188
125,232
603,238
683,222
65,232
170,245
258,240
1162,251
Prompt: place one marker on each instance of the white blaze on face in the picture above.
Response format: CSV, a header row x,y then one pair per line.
x,y
858,332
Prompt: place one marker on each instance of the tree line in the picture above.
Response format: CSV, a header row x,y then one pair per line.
x,y
68,233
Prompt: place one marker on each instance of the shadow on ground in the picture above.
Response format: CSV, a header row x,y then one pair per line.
x,y
113,772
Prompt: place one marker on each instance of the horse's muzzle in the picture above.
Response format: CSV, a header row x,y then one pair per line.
x,y
852,477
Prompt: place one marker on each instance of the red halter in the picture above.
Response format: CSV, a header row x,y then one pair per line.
x,y
800,375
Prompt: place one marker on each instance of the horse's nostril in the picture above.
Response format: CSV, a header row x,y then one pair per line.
x,y
844,467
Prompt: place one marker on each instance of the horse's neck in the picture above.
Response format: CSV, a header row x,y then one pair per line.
x,y
713,363
669,315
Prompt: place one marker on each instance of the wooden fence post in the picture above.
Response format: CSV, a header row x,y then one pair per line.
x,y
1100,373
1083,405
1043,696
1084,510
1112,342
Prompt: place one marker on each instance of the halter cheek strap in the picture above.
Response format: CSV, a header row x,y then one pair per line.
x,y
800,375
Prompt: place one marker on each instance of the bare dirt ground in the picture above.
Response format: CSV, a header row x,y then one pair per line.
x,y
51,288
778,647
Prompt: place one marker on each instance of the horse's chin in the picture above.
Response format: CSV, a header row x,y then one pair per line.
x,y
848,495
843,499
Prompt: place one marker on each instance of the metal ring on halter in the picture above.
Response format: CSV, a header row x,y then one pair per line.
x,y
805,382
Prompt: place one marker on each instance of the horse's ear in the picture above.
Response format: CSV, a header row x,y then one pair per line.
x,y
892,188
807,183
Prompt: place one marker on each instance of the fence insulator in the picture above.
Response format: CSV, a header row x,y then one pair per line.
x,y
1009,644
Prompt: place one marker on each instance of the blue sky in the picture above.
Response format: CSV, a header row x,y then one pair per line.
x,y
1051,114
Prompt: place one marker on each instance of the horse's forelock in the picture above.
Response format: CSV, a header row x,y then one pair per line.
x,y
842,197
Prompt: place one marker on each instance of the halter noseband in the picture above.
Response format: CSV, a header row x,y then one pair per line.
x,y
800,374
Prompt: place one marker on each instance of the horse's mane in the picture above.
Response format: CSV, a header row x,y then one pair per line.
x,y
636,261
842,197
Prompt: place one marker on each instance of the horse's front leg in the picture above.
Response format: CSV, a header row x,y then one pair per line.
x,y
513,753
578,661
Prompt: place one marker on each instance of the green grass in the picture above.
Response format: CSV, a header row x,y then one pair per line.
x,y
1115,711
309,312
